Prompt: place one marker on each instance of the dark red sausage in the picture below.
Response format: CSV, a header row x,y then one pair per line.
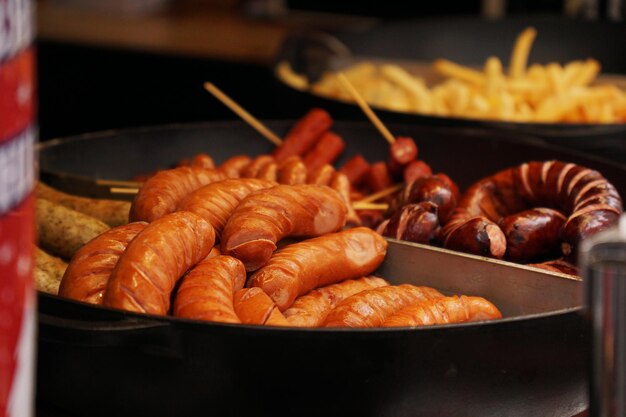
x,y
378,177
304,134
356,169
416,170
532,234
401,153
326,150
414,222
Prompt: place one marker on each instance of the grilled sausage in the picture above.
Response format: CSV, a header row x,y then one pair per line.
x,y
90,269
233,167
111,212
217,201
253,306
304,134
62,231
202,160
256,165
311,309
401,152
370,308
356,169
146,273
301,267
589,201
414,222
206,291
321,176
340,183
265,217
162,193
292,171
325,151
432,189
378,178
269,172
444,310
416,170
531,234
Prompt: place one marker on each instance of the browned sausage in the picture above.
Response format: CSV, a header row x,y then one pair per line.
x,y
432,189
304,134
256,165
202,160
370,308
269,172
414,222
450,184
233,167
155,260
301,267
87,275
588,199
356,169
444,310
311,309
416,170
340,183
267,216
531,234
253,306
378,178
321,176
162,193
477,235
217,201
402,152
292,171
206,291
326,150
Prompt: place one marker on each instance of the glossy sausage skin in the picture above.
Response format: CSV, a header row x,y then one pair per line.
x,y
301,267
202,160
416,170
292,171
589,201
269,172
402,152
267,216
356,169
432,189
162,193
87,275
217,201
233,167
370,308
325,151
310,310
415,223
340,183
477,235
303,135
444,310
531,234
321,176
155,260
206,291
378,178
256,165
253,306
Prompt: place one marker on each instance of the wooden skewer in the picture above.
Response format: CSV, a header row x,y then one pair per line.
x,y
241,112
366,108
119,183
382,193
369,206
118,190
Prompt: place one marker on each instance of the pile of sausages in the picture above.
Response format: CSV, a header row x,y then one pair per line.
x,y
528,213
166,260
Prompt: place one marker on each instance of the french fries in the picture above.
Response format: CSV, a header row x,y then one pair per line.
x,y
550,93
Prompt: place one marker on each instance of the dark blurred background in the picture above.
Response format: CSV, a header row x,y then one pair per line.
x,y
124,63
